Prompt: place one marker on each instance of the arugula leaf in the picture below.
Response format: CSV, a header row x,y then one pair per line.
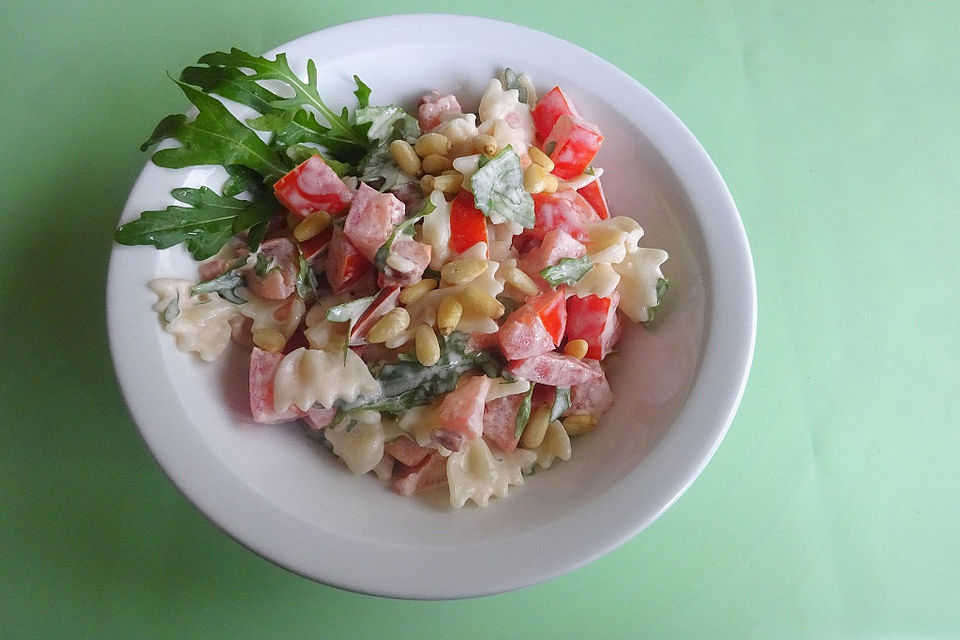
x,y
561,403
206,225
523,412
215,136
349,311
232,84
345,140
241,179
404,228
362,93
567,271
498,189
510,80
226,284
663,285
407,383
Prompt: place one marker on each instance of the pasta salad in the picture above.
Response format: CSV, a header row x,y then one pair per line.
x,y
432,294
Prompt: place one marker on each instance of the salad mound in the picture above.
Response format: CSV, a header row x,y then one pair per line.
x,y
433,295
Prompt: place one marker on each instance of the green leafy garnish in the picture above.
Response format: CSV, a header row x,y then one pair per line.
x,y
172,310
561,402
306,278
567,271
226,284
404,228
215,136
510,80
509,304
264,265
349,311
663,285
523,412
498,189
241,179
387,124
206,225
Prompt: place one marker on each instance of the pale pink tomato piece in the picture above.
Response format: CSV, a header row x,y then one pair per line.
x,y
594,320
566,210
415,257
427,474
554,369
549,109
461,413
500,421
345,265
281,281
371,219
592,397
573,143
385,302
312,186
263,369
433,106
534,328
557,244
406,451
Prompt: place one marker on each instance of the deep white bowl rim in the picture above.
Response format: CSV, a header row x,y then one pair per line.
x,y
714,396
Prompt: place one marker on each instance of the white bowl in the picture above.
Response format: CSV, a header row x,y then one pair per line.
x,y
678,385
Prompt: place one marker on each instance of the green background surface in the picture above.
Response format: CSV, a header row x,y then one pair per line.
x,y
830,510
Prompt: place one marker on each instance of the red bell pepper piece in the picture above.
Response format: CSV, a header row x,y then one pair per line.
x,y
345,265
263,369
385,302
549,108
594,320
593,193
312,247
468,225
573,143
534,328
313,186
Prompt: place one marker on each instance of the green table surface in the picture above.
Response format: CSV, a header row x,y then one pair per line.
x,y
830,510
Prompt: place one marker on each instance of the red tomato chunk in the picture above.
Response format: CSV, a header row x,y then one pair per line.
x,y
575,143
461,413
594,320
593,193
345,264
552,368
468,225
433,106
557,244
312,186
592,397
534,328
263,369
549,108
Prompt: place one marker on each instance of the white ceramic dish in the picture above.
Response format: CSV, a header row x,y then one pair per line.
x,y
678,386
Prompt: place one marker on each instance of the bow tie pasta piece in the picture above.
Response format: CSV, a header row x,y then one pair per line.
x,y
459,129
308,376
474,473
359,441
600,281
612,239
436,230
505,118
282,316
197,325
556,444
639,275
420,423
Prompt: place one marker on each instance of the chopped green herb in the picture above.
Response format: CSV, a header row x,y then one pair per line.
x,y
663,285
510,80
523,412
226,284
404,228
561,403
498,189
567,271
306,278
349,311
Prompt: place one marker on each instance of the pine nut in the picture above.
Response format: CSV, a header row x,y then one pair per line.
x,y
293,220
432,144
427,345
578,424
389,326
448,182
550,184
536,428
448,314
540,158
435,164
522,282
315,223
269,340
534,178
487,145
426,184
576,348
405,157
475,299
464,270
414,292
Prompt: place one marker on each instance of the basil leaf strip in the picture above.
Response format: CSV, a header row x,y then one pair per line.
x,y
523,412
567,271
498,189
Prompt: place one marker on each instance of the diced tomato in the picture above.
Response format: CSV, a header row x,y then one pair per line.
x,y
345,264
312,186
593,319
415,257
593,193
592,397
312,247
500,421
263,369
318,417
566,210
549,108
461,413
429,473
406,451
534,328
433,106
385,301
280,282
573,143
468,225
552,368
557,244
371,219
